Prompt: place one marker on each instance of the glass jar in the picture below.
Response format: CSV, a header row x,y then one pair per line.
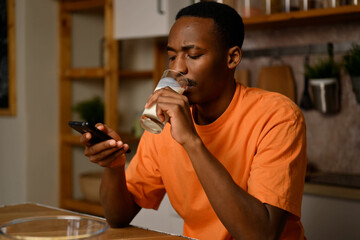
x,y
251,8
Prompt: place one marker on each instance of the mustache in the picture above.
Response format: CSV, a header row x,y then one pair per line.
x,y
191,83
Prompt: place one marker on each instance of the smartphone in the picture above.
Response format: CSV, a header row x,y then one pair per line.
x,y
96,134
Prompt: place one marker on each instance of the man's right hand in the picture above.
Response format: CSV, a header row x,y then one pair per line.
x,y
110,153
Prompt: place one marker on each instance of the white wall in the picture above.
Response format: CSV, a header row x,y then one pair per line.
x,y
12,129
29,140
165,219
42,100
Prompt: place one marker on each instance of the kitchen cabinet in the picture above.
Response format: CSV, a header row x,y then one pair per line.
x,y
150,18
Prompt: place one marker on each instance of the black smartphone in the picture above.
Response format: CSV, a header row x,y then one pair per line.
x,y
96,135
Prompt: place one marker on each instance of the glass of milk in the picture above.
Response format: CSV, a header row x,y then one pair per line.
x,y
170,78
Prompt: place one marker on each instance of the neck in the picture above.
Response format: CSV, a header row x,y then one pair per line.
x,y
207,113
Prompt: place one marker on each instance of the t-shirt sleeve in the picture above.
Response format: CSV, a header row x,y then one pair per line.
x,y
277,174
143,175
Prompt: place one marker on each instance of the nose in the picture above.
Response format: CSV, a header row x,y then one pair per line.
x,y
179,64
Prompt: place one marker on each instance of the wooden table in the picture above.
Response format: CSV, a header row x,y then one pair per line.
x,y
11,212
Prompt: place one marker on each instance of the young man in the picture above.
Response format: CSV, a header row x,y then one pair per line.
x,y
232,159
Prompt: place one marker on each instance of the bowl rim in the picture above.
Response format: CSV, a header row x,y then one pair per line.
x,y
55,217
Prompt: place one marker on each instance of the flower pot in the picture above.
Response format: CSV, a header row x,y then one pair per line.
x,y
355,80
326,97
90,185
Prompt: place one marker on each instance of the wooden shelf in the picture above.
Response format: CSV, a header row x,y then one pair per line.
x,y
109,74
82,5
85,73
71,139
301,18
133,74
99,72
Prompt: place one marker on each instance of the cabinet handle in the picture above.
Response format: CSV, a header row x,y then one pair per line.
x,y
159,7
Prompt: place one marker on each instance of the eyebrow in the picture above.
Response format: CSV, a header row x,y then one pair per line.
x,y
185,48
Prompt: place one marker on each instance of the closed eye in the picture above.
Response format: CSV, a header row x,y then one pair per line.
x,y
194,56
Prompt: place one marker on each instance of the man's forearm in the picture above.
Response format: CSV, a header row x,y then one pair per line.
x,y
117,202
244,216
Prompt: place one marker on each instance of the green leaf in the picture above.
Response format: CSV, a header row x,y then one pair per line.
x,y
351,61
91,110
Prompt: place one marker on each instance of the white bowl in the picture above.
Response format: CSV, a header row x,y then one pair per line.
x,y
54,227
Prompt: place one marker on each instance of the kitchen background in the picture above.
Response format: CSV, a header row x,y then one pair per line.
x,y
29,147
333,140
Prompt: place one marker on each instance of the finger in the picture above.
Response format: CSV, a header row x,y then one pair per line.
x,y
85,139
166,95
100,126
110,159
108,131
106,157
100,147
170,105
152,99
103,156
167,91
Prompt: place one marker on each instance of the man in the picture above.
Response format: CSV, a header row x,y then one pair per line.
x,y
232,159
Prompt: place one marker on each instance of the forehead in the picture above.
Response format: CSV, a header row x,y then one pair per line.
x,y
193,30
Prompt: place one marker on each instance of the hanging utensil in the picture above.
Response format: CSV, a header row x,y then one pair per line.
x,y
306,102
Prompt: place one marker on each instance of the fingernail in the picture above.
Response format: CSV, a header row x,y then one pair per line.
x,y
88,136
112,143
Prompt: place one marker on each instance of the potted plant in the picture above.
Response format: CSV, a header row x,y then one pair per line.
x,y
91,110
351,63
324,81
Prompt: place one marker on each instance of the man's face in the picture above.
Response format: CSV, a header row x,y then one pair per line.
x,y
194,49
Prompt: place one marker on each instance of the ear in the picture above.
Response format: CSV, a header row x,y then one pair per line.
x,y
234,57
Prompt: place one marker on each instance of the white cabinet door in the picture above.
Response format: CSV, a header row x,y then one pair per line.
x,y
145,18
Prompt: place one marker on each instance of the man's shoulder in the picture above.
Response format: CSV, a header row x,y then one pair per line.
x,y
265,102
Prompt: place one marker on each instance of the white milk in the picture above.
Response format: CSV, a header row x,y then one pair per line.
x,y
149,120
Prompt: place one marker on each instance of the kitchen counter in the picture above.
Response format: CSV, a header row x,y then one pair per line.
x,y
336,185
11,212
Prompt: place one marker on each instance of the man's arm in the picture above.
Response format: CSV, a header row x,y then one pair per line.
x,y
117,202
244,216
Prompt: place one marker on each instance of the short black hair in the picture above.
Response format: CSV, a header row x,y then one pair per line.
x,y
228,21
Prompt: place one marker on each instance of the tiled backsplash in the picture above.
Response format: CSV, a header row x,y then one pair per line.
x,y
333,141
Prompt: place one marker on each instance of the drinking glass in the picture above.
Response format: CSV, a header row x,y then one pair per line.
x,y
170,78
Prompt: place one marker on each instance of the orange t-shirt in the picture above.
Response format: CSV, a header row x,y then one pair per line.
x,y
261,141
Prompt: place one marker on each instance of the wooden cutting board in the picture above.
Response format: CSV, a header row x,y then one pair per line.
x,y
278,79
242,76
